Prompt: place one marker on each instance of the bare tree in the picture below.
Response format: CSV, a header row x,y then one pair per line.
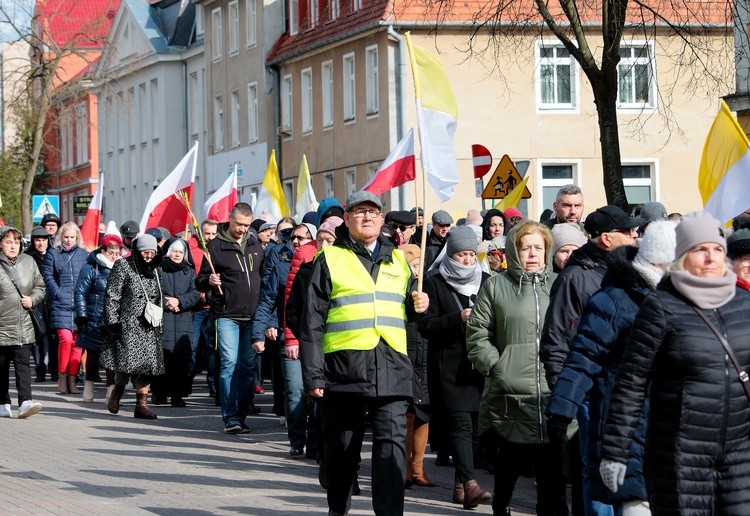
x,y
703,27
64,38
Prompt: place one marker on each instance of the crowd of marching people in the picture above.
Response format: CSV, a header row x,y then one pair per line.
x,y
604,352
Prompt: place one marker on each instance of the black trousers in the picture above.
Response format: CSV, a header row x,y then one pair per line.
x,y
20,356
550,486
462,431
343,417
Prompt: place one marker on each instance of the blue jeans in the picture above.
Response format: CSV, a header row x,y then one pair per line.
x,y
237,358
294,401
591,507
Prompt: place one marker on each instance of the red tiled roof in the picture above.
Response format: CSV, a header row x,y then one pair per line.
x,y
82,24
431,14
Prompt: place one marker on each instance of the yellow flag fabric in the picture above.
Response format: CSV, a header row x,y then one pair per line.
x,y
514,197
724,174
305,196
271,204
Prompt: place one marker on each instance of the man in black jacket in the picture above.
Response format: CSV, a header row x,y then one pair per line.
x,y
353,351
609,227
232,277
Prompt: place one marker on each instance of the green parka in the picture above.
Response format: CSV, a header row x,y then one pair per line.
x,y
502,338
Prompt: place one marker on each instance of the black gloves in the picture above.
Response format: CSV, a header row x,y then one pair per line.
x,y
114,330
81,323
557,428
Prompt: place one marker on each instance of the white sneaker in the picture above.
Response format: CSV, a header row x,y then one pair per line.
x,y
5,410
29,408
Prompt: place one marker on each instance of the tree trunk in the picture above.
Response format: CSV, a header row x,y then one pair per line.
x,y
605,98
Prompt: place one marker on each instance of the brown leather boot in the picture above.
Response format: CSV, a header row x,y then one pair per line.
x,y
475,495
62,383
458,492
113,403
141,407
72,388
419,477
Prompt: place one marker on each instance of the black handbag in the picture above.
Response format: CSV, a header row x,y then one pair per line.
x,y
35,312
743,376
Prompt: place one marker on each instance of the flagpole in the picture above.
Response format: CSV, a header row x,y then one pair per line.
x,y
423,242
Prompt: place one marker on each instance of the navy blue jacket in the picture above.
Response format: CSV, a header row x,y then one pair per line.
x,y
178,281
61,269
89,301
595,355
272,286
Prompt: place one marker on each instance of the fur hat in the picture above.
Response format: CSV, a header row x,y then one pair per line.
x,y
738,243
567,233
146,243
658,243
696,228
411,251
459,239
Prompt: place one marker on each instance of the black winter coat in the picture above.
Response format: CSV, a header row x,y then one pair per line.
x,y
178,282
89,301
454,384
379,372
697,457
240,275
581,277
595,354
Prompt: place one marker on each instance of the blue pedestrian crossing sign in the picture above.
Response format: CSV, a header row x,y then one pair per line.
x,y
42,205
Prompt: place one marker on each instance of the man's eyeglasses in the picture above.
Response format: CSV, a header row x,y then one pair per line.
x,y
401,227
628,231
743,260
299,237
360,212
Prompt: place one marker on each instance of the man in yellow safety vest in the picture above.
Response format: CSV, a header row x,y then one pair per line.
x,y
353,351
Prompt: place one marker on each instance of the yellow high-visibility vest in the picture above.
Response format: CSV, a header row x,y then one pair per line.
x,y
363,311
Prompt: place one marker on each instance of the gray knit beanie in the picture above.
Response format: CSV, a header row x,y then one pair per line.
x,y
146,243
567,233
698,227
461,238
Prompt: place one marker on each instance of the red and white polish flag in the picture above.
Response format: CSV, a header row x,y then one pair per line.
x,y
220,204
398,168
90,227
163,207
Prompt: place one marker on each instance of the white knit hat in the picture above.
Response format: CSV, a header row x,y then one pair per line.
x,y
658,244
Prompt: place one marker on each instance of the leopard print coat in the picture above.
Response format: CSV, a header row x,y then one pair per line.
x,y
132,345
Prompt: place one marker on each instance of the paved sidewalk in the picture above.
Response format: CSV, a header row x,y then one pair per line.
x,y
76,458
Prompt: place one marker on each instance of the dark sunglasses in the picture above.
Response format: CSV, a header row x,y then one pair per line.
x,y
299,237
401,227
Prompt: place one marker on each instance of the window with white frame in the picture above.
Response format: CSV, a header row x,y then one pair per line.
x,y
306,96
372,89
350,97
356,5
351,181
196,106
288,186
312,13
286,106
110,123
121,122
234,27
329,185
132,128
216,37
200,23
557,77
82,133
218,123
555,175
155,102
293,17
326,84
65,129
142,112
252,112
251,18
234,117
334,9
638,181
635,76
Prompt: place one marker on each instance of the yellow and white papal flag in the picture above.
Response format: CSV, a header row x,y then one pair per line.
x,y
724,175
